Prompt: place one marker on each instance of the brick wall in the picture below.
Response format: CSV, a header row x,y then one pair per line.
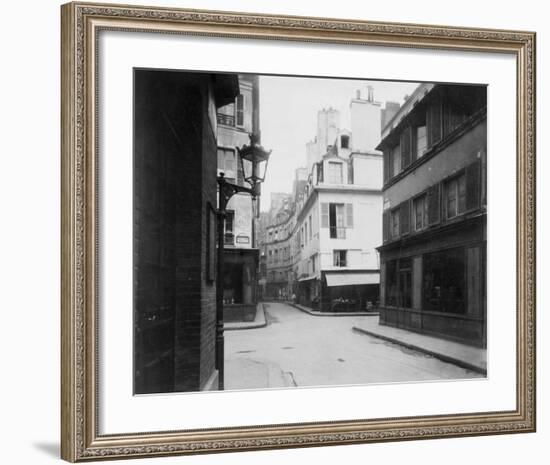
x,y
175,168
208,288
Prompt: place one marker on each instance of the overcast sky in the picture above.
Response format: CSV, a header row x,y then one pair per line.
x,y
288,118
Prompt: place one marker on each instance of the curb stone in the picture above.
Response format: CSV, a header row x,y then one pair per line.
x,y
440,356
249,325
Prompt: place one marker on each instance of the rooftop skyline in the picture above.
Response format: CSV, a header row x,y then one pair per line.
x,y
288,118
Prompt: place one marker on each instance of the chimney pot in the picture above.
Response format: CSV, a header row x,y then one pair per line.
x,y
370,93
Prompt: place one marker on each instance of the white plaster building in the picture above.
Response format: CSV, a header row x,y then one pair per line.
x,y
337,214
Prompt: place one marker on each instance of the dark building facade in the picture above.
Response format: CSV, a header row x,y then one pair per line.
x,y
433,256
175,158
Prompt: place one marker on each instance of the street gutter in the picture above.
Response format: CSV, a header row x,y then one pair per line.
x,y
316,313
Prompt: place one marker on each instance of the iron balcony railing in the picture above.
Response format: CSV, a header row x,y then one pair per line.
x,y
228,120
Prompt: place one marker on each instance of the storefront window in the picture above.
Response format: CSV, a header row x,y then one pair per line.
x,y
399,283
444,284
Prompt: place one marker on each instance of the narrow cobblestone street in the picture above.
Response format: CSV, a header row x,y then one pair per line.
x,y
298,349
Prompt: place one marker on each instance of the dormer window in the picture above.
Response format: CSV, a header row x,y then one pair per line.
x,y
335,173
344,142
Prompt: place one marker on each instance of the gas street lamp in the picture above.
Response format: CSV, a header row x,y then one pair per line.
x,y
254,159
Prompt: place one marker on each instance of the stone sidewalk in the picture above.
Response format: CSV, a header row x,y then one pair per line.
x,y
259,321
465,356
255,374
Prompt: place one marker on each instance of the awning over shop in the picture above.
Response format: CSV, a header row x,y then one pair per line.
x,y
352,279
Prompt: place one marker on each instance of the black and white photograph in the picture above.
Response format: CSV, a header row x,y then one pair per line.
x,y
275,232
293,231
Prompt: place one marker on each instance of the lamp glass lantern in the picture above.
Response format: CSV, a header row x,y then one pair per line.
x,y
254,160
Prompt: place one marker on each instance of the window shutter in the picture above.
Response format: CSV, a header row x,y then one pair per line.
x,y
350,171
240,176
239,110
391,174
444,199
414,144
473,186
406,145
385,225
349,215
433,198
405,217
434,123
386,165
447,119
324,215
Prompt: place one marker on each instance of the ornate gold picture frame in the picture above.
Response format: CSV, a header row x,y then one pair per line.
x,y
81,403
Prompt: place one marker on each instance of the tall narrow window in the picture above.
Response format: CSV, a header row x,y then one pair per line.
x,y
335,173
227,164
239,110
394,223
421,141
451,195
420,212
310,228
455,196
337,221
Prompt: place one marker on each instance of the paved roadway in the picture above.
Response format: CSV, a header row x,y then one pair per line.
x,y
298,349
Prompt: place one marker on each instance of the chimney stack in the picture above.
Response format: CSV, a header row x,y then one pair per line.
x,y
370,93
